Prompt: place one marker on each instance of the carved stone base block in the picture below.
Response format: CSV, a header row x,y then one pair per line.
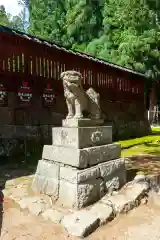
x,y
75,188
81,137
82,158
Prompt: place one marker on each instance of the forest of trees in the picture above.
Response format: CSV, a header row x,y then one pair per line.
x,y
15,22
126,32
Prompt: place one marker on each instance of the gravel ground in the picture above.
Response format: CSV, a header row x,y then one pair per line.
x,y
20,225
141,223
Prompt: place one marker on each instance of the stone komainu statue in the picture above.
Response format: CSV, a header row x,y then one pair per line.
x,y
77,99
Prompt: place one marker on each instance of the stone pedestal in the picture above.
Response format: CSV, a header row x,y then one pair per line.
x,y
81,165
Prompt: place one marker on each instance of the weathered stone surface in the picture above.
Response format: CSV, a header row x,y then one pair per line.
x,y
119,203
89,192
101,154
67,194
127,198
44,185
84,186
35,205
114,174
26,200
103,212
46,179
154,182
115,181
140,178
74,175
135,190
36,209
82,158
49,169
53,215
81,223
80,195
112,183
155,197
81,137
65,155
110,167
83,122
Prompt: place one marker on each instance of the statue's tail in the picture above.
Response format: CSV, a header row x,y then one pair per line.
x,y
94,103
93,95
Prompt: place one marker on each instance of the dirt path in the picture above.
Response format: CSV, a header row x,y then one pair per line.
x,y
141,223
20,225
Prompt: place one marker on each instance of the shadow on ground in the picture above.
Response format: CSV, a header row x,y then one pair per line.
x,y
9,172
145,163
156,133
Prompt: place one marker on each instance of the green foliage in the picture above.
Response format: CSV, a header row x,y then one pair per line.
x,y
4,17
83,20
120,31
131,35
17,22
68,22
47,19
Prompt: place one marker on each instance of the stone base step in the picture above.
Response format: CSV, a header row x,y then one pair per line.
x,y
81,137
83,222
82,158
84,187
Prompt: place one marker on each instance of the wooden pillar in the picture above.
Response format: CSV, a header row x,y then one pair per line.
x,y
152,104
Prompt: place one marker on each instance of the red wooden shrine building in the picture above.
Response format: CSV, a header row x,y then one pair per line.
x,y
24,58
31,90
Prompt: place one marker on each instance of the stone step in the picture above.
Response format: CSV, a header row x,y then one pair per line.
x,y
81,137
81,158
36,205
127,198
53,215
81,223
103,212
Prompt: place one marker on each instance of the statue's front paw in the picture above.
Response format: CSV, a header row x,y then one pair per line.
x,y
78,116
69,116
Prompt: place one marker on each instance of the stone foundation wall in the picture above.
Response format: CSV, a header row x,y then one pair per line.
x,y
27,129
24,130
128,120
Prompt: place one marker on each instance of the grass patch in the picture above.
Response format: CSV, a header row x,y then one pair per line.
x,y
145,145
156,130
143,153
